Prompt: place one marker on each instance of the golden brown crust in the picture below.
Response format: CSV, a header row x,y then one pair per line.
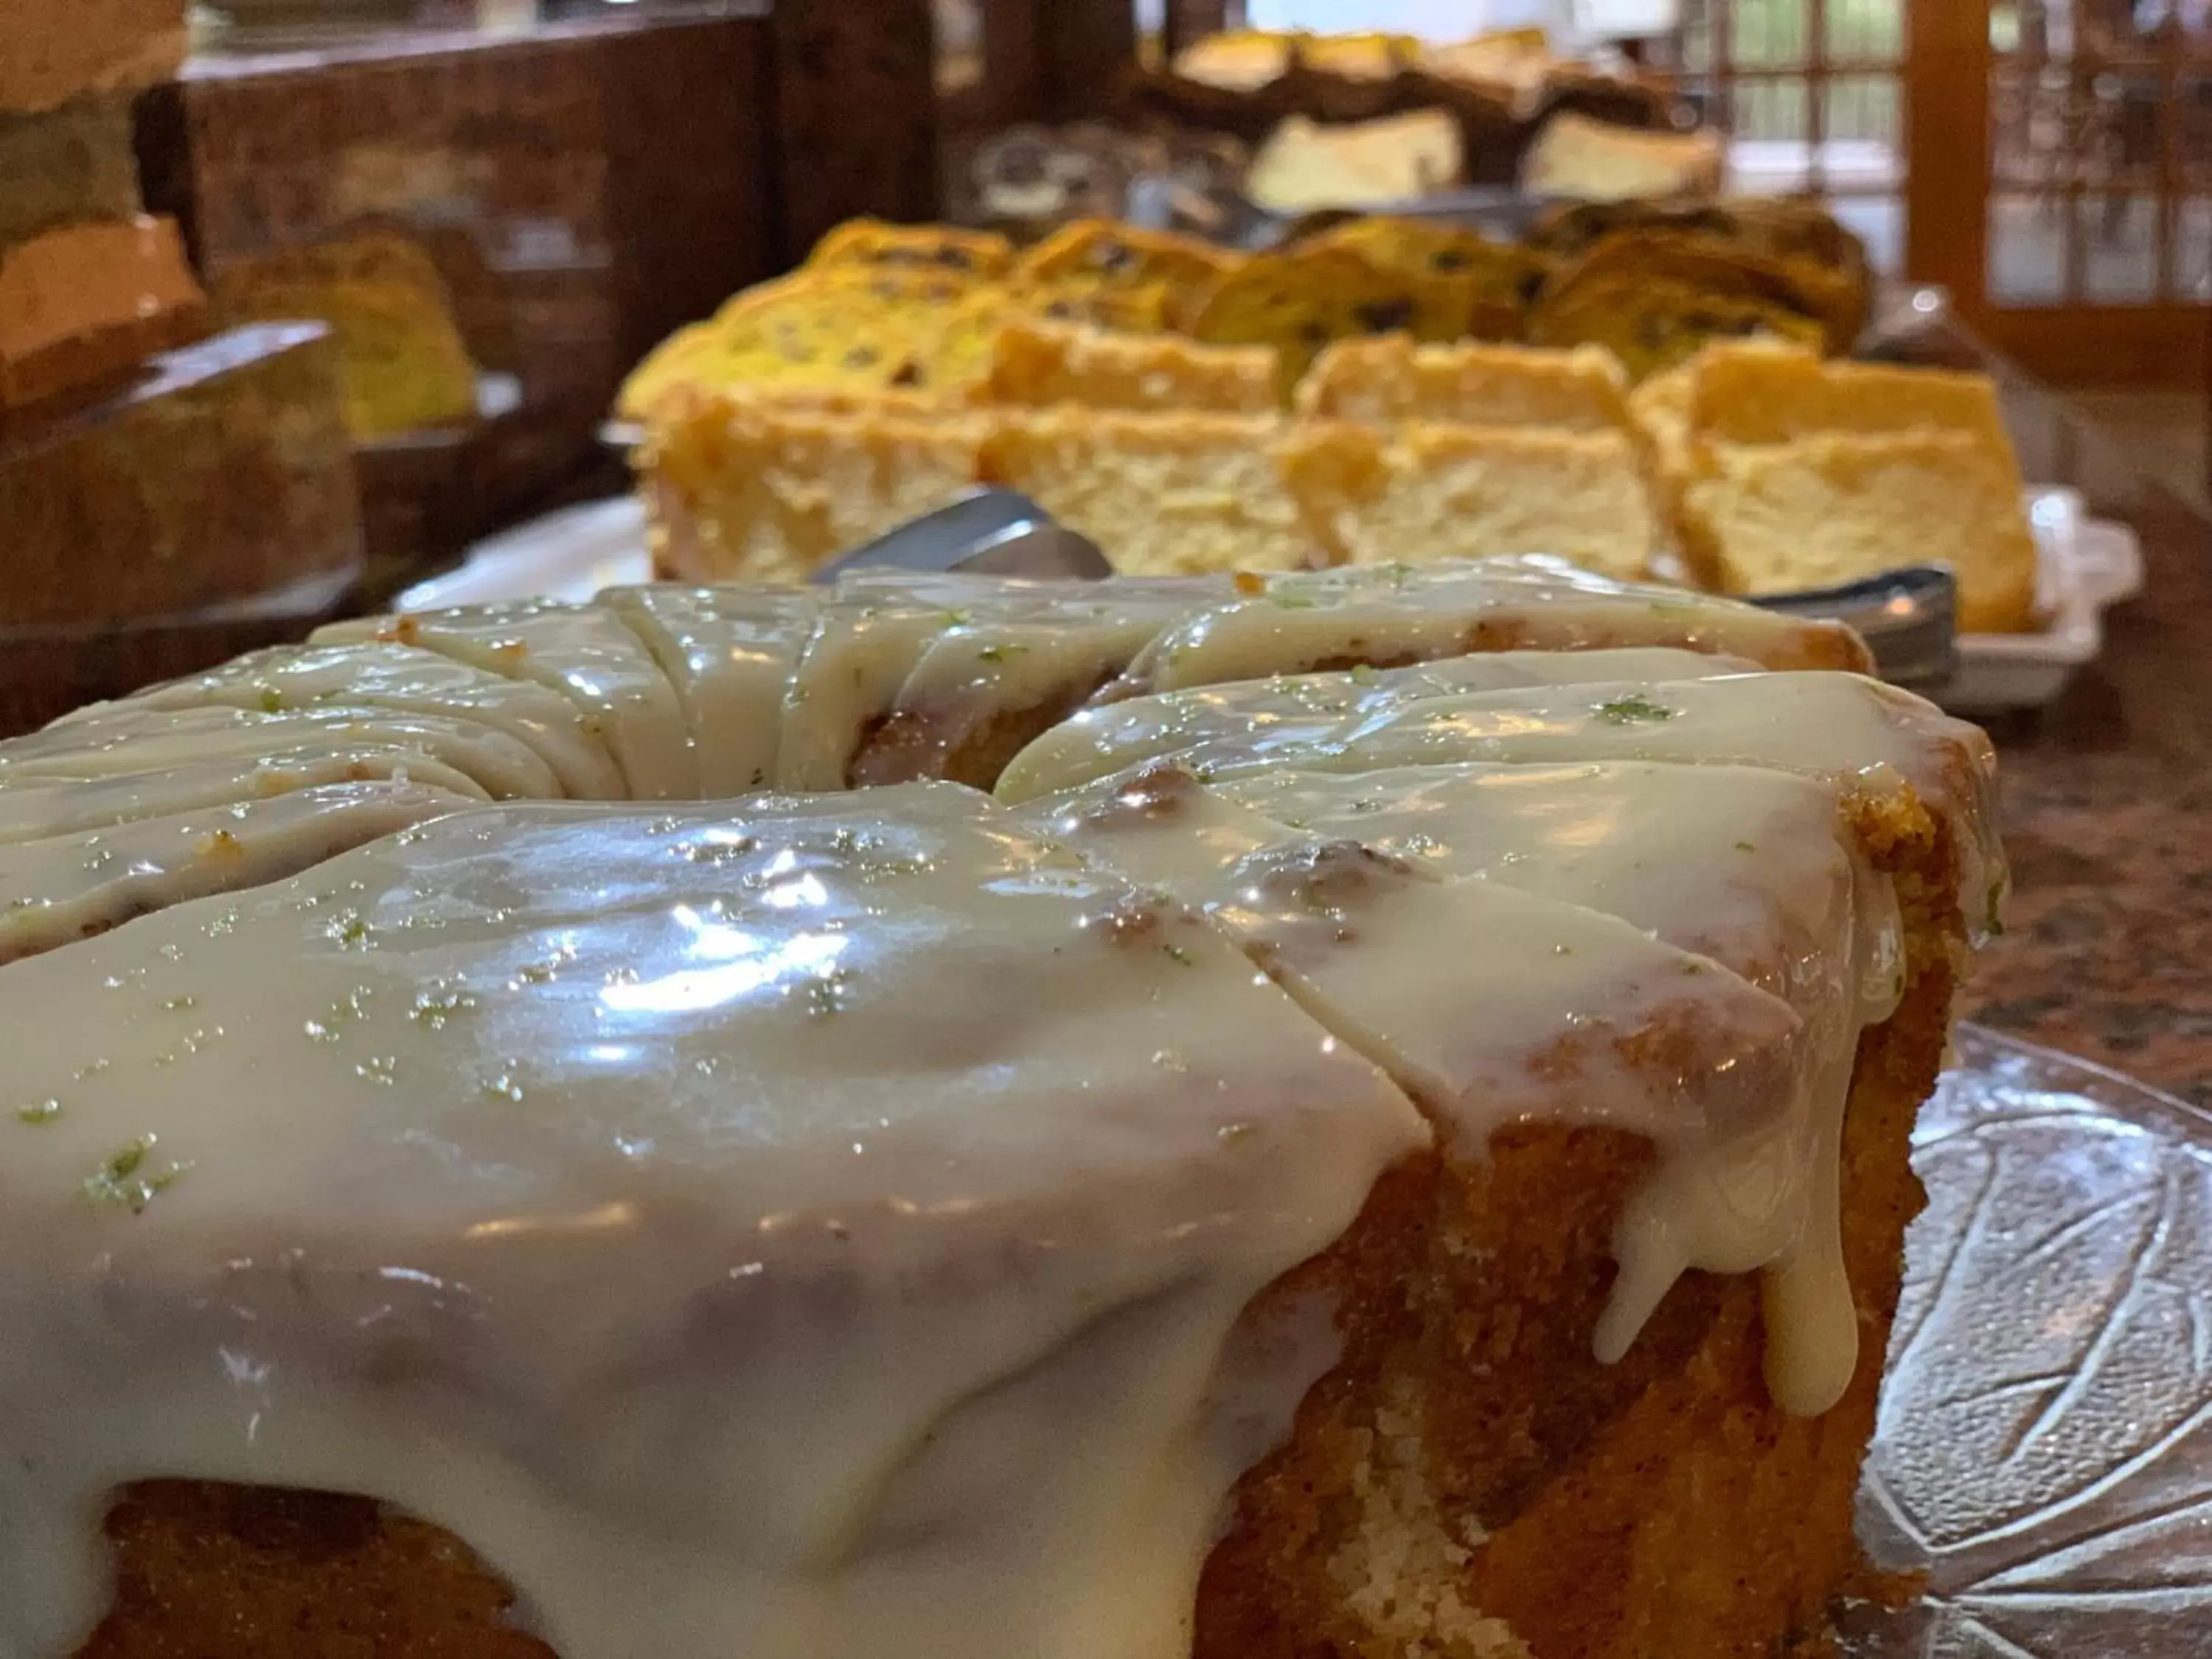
x,y
1662,1506
254,1573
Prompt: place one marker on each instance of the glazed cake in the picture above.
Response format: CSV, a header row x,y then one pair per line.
x,y
1361,1114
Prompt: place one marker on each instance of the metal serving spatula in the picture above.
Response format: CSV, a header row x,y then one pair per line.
x,y
990,532
1908,617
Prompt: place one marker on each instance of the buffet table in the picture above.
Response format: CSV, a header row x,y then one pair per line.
x,y
2107,809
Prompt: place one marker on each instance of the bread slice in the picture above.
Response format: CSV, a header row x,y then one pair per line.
x,y
1298,298
1118,275
1839,506
1163,494
1662,412
1652,323
857,328
1393,378
1441,491
1040,363
1479,288
761,489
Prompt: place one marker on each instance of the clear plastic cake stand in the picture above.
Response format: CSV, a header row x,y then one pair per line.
x,y
2045,1451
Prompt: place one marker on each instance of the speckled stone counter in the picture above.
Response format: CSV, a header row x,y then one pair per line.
x,y
2108,801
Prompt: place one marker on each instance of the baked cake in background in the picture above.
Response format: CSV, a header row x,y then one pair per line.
x,y
150,473
1783,472
1248,1190
403,366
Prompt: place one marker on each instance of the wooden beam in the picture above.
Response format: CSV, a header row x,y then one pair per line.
x,y
1947,128
1086,49
853,94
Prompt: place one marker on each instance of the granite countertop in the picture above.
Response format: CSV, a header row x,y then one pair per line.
x,y
2108,802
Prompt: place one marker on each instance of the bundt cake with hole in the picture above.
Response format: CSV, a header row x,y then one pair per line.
x,y
1352,1115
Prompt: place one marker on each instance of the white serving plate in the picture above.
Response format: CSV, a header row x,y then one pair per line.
x,y
2084,566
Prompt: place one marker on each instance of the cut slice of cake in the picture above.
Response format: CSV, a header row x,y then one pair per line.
x,y
382,675
1436,490
730,652
740,486
1385,615
1574,158
1839,506
1164,494
84,303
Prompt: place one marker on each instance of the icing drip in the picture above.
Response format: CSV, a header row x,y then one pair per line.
x,y
815,1230
1749,1138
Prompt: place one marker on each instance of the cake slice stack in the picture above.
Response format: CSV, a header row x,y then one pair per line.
x,y
88,284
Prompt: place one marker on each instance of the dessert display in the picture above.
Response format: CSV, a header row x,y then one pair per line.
x,y
1352,118
1361,1111
402,363
1136,383
916,308
1783,473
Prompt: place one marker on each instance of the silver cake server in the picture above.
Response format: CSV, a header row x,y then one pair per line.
x,y
1908,617
991,532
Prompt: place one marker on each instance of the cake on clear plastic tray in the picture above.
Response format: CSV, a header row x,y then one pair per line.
x,y
1355,1112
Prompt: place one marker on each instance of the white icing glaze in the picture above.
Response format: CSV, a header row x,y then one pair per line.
x,y
1635,839
585,653
729,653
860,654
1396,613
952,652
1044,652
1122,733
67,886
40,809
543,1169
1524,1026
376,675
150,741
1832,725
